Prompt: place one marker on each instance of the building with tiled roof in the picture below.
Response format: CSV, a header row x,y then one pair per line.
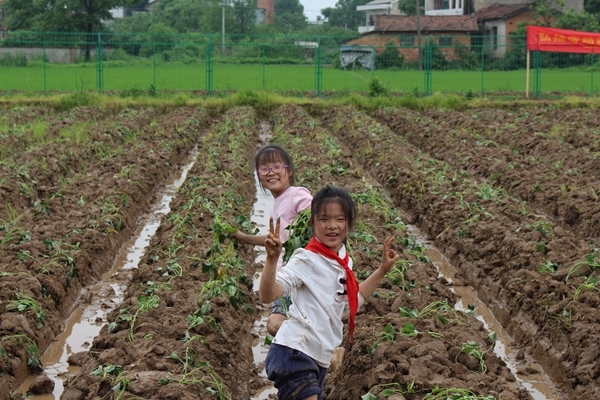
x,y
498,21
406,31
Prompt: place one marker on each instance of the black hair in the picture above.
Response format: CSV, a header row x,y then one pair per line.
x,y
331,194
269,153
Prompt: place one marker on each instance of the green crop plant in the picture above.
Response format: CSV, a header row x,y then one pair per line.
x,y
33,352
590,261
414,248
462,230
438,308
300,234
39,132
78,133
12,234
540,247
198,319
543,227
110,213
548,267
116,375
225,284
454,394
388,389
390,334
197,372
474,350
591,283
491,193
172,268
396,273
435,335
61,255
24,303
144,303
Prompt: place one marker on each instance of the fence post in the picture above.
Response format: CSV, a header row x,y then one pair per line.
x,y
318,70
262,50
99,65
154,65
537,72
592,77
482,68
44,64
209,66
428,66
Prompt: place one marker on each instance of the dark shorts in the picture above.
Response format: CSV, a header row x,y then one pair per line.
x,y
281,305
295,375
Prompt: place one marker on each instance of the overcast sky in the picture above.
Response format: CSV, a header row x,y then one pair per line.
x,y
312,8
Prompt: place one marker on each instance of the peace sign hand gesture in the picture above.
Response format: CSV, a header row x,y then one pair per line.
x,y
273,245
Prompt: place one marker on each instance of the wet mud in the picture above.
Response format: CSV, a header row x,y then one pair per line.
x,y
509,197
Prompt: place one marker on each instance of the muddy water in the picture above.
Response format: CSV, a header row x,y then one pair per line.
x,y
538,385
97,301
260,217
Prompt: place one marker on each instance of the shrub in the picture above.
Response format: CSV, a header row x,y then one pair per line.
x,y
6,61
117,55
389,57
20,60
376,88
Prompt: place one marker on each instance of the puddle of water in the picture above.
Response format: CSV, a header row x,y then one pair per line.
x,y
260,216
97,301
539,386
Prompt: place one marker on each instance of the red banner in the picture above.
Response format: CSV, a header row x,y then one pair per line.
x,y
562,40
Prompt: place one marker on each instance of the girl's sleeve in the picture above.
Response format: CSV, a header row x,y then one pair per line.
x,y
304,200
290,277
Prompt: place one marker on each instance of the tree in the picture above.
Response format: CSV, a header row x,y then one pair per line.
x,y
580,21
62,15
181,15
592,6
345,15
289,16
244,12
410,6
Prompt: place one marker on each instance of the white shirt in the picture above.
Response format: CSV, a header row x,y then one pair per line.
x,y
314,325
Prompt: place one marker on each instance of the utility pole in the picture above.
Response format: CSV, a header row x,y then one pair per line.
x,y
223,27
419,36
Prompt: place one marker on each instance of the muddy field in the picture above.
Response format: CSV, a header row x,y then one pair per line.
x,y
510,197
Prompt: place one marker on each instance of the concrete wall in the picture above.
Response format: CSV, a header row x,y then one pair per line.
x,y
55,56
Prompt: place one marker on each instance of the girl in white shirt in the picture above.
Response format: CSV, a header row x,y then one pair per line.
x,y
321,283
275,171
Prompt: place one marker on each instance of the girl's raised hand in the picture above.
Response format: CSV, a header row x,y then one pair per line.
x,y
273,245
389,255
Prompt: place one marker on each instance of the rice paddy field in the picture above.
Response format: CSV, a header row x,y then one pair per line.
x,y
508,195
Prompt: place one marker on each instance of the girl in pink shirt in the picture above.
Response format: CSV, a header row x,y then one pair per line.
x,y
275,171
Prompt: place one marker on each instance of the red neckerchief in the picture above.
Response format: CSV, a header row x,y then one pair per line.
x,y
351,284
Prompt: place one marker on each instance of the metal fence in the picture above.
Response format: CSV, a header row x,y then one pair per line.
x,y
138,63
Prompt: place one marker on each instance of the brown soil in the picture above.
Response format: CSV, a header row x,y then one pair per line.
x,y
67,205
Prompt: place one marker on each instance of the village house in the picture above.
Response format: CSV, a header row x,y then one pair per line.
x,y
446,23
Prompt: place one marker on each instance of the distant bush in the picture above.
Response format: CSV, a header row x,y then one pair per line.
x,y
20,60
117,55
390,57
7,61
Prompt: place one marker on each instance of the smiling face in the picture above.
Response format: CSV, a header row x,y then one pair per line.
x,y
275,182
330,225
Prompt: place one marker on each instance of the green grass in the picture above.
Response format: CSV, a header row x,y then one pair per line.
x,y
284,78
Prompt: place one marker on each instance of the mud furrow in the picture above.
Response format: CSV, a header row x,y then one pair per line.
x,y
494,253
